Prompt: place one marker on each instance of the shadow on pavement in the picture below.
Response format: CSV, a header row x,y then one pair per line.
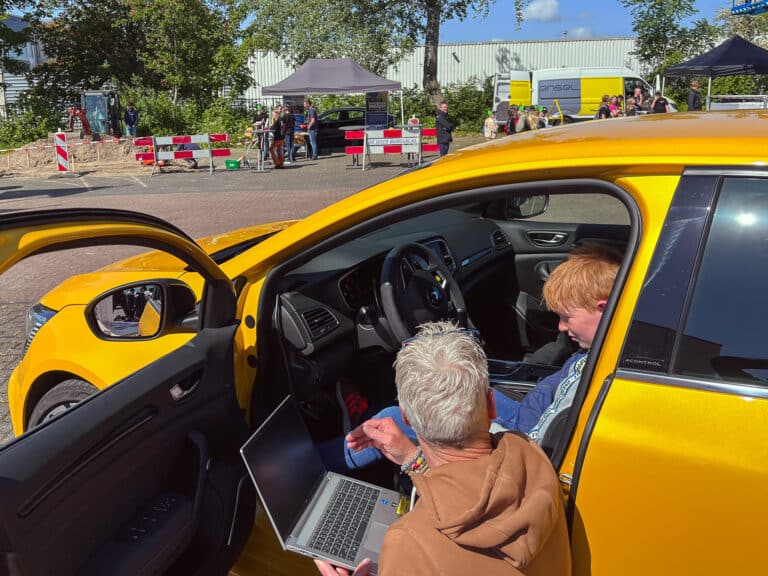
x,y
50,192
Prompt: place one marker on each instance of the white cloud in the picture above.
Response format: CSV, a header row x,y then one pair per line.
x,y
542,10
580,32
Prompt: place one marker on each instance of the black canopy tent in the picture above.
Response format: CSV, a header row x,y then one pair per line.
x,y
733,57
332,76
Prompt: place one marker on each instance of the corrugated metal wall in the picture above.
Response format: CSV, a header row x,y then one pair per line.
x,y
458,63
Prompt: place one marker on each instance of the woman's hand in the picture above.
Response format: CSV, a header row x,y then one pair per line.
x,y
326,569
384,434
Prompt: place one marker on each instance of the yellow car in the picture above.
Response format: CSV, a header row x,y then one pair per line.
x,y
662,456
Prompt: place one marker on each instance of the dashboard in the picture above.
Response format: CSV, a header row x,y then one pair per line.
x,y
334,298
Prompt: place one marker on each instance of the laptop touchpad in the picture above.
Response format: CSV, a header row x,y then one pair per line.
x,y
376,536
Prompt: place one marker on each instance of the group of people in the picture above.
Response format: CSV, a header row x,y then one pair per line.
x,y
521,119
488,497
640,102
277,132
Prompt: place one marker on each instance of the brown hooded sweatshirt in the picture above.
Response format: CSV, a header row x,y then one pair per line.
x,y
501,514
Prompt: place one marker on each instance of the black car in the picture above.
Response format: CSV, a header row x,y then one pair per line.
x,y
329,123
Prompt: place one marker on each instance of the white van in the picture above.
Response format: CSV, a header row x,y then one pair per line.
x,y
578,91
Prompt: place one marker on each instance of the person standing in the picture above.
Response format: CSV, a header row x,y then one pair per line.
x,y
694,98
276,148
289,125
605,108
260,124
659,104
310,116
490,126
444,128
131,119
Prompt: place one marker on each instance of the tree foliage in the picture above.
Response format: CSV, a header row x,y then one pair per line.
x,y
376,33
187,47
661,36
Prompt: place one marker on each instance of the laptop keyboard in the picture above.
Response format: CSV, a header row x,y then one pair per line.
x,y
342,527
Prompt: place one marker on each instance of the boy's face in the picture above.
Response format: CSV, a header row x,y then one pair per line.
x,y
581,324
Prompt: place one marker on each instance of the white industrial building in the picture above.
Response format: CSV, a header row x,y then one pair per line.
x,y
463,62
12,85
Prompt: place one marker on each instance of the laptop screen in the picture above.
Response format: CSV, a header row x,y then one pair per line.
x,y
284,464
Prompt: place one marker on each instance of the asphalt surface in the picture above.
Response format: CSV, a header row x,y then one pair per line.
x,y
199,203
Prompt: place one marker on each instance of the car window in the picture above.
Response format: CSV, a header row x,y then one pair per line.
x,y
356,114
585,209
331,117
724,332
73,322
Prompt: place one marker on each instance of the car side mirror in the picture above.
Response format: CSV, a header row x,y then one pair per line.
x,y
526,206
143,310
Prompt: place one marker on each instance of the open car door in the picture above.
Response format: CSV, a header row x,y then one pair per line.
x,y
143,477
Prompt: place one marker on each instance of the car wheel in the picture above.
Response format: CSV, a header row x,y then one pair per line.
x,y
59,399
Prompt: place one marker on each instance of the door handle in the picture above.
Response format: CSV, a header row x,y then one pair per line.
x,y
183,389
548,239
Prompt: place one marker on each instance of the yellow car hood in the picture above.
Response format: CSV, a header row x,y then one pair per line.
x,y
83,288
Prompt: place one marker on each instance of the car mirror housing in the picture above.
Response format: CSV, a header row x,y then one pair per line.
x,y
526,206
144,310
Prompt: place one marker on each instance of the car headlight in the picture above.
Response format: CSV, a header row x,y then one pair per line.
x,y
36,317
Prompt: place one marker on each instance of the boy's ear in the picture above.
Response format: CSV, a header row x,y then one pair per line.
x,y
600,306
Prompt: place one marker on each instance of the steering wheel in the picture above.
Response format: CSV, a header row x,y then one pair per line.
x,y
412,295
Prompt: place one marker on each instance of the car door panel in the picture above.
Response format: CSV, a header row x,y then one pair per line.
x,y
143,477
143,451
538,248
650,473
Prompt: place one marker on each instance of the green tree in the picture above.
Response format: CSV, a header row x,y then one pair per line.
x,y
87,44
190,48
375,33
659,29
191,45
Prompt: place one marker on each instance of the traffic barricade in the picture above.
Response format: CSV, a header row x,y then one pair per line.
x,y
157,155
403,140
357,149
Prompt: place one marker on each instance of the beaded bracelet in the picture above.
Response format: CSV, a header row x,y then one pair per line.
x,y
416,465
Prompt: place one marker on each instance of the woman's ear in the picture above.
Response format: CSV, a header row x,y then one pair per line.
x,y
405,418
491,404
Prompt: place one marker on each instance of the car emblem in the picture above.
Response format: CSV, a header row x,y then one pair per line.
x,y
434,297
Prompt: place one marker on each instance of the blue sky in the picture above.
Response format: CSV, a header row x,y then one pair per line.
x,y
551,19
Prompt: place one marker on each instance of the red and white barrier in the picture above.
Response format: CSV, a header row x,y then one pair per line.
x,y
62,154
157,155
405,140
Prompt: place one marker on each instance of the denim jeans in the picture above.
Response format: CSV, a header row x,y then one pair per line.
x,y
443,146
289,147
131,131
313,143
339,458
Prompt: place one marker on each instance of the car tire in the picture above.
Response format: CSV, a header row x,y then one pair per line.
x,y
60,398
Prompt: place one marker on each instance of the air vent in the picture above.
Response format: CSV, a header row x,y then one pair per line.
x,y
320,322
499,240
446,254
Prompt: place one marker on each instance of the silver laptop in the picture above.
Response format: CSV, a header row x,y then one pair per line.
x,y
313,511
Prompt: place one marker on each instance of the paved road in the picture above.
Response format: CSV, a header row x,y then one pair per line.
x,y
199,203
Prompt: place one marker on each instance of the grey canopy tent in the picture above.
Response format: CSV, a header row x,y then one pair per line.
x,y
332,76
733,57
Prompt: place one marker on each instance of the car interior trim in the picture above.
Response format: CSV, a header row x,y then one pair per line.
x,y
694,383
134,423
